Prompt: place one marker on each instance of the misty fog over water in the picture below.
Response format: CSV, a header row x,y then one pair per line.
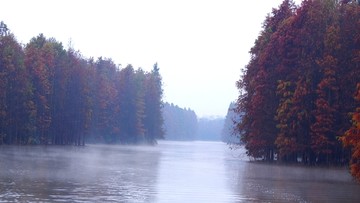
x,y
168,172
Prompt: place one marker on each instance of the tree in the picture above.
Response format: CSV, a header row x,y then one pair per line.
x,y
351,138
304,67
131,102
259,103
16,108
348,61
3,29
179,123
106,110
77,114
153,120
324,130
309,25
49,95
285,140
59,128
39,60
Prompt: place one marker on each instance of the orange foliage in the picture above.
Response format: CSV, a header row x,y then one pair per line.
x,y
351,138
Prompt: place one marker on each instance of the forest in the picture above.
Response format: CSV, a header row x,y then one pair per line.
x,y
182,124
179,123
300,92
49,95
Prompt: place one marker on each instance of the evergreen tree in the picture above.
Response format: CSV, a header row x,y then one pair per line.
x,y
153,120
16,108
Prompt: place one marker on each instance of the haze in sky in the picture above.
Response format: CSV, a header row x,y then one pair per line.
x,y
200,45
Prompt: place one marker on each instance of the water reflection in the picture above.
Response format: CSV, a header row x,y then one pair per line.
x,y
192,172
95,173
169,172
260,182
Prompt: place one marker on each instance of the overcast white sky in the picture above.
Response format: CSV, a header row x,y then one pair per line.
x,y
200,45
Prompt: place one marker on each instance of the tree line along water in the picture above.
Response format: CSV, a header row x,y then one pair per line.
x,y
49,95
300,92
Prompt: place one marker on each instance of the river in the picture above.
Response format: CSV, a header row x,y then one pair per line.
x,y
168,172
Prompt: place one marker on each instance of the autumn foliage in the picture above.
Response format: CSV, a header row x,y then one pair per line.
x,y
351,138
49,95
296,92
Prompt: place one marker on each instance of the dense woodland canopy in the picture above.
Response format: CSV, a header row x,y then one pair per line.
x,y
182,124
179,123
49,95
297,93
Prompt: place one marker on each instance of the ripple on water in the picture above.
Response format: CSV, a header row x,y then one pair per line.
x,y
169,172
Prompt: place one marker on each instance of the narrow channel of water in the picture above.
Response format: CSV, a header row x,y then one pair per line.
x,y
169,172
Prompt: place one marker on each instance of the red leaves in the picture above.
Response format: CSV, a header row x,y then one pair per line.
x,y
300,80
351,138
52,96
40,61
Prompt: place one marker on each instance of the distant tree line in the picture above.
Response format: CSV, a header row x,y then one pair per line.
x,y
182,124
229,134
49,95
179,123
298,90
209,129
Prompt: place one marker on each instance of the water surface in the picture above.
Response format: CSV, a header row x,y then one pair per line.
x,y
169,172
